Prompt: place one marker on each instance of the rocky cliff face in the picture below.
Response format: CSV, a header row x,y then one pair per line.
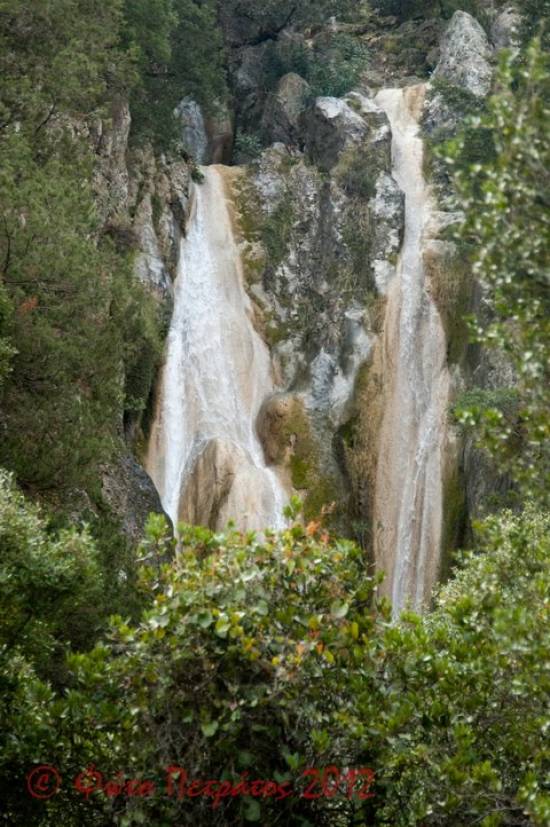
x,y
322,224
143,201
321,221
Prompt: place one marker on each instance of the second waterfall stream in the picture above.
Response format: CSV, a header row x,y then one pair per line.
x,y
205,457
408,502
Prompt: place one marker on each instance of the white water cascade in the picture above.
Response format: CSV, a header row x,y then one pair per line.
x,y
204,455
408,507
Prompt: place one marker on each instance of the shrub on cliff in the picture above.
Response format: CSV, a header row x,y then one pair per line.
x,y
507,232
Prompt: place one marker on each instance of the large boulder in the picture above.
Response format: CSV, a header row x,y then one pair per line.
x,y
281,118
332,126
465,55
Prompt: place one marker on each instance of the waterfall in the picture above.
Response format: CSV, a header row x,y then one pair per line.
x,y
204,453
408,501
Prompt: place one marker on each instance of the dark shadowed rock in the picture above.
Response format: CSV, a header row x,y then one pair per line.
x,y
331,126
193,129
283,109
131,495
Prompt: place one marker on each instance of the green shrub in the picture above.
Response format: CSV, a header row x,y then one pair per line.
x,y
265,656
504,400
507,232
227,672
247,147
455,723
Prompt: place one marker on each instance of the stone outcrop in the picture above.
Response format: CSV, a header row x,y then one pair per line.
x,y
111,179
331,220
283,109
193,129
212,497
159,194
330,127
209,484
388,210
143,201
465,55
130,495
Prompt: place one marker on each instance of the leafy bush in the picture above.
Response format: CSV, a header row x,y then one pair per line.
x,y
479,401
455,722
248,147
333,65
50,585
227,673
260,657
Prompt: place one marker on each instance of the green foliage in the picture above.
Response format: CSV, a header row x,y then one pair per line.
x,y
478,145
503,400
268,18
461,722
407,9
403,9
228,667
57,588
459,99
247,147
50,583
507,230
80,337
6,348
269,655
336,65
58,58
535,17
180,53
332,65
196,175
73,301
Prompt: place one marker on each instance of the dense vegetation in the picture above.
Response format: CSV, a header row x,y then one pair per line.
x,y
508,232
245,654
